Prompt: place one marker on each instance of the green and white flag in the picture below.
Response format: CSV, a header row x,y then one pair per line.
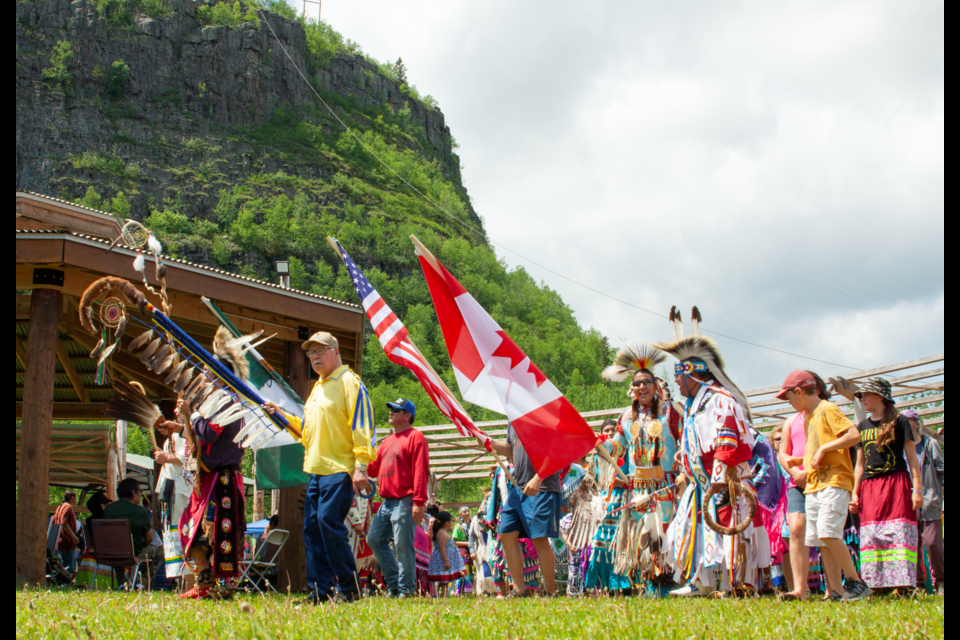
x,y
278,464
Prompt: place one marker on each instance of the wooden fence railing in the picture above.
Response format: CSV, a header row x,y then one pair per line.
x,y
455,457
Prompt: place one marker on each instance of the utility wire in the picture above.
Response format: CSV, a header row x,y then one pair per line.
x,y
837,275
492,241
829,284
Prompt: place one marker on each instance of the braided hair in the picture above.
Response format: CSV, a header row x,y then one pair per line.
x,y
890,416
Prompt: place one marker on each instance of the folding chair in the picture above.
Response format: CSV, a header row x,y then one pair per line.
x,y
265,559
113,547
56,574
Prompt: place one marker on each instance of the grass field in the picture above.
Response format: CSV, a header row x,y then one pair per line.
x,y
79,615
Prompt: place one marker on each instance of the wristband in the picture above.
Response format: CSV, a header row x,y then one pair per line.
x,y
918,491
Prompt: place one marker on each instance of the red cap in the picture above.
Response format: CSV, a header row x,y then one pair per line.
x,y
799,379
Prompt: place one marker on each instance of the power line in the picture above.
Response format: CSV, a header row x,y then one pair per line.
x,y
829,284
505,248
837,275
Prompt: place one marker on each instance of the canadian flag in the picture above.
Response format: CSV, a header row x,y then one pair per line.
x,y
494,373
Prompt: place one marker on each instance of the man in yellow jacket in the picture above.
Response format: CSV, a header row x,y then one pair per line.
x,y
339,437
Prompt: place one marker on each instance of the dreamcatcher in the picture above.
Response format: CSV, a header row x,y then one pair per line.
x,y
113,317
136,236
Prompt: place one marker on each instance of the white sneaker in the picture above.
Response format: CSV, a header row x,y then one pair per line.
x,y
693,590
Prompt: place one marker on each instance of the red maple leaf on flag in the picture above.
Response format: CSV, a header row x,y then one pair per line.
x,y
509,349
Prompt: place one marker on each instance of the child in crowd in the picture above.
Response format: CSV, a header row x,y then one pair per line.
x,y
829,483
887,500
446,564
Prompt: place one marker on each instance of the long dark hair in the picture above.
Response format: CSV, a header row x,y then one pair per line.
x,y
890,416
442,518
657,403
822,391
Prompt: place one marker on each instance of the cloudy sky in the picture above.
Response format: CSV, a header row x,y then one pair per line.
x,y
779,164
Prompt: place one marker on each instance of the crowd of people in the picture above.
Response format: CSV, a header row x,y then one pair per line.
x,y
682,498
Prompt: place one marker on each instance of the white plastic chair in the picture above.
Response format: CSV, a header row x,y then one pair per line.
x,y
260,565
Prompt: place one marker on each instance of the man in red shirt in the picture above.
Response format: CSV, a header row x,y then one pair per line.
x,y
67,544
402,467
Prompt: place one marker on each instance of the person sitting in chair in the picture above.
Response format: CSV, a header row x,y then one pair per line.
x,y
128,508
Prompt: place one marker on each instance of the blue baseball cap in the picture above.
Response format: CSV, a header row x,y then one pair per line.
x,y
404,405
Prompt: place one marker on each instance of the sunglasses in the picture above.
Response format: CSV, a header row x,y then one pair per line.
x,y
643,383
316,352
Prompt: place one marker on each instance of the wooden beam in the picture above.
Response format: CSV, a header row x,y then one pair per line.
x,y
128,364
37,416
909,364
21,354
71,372
69,410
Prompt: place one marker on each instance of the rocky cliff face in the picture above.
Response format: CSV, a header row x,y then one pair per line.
x,y
192,96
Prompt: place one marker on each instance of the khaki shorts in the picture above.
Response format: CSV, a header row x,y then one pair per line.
x,y
826,515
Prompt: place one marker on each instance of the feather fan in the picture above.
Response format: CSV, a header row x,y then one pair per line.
x,y
129,404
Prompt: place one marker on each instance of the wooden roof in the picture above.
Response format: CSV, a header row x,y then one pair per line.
x,y
74,241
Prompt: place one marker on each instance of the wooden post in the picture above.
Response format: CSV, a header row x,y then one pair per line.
x,y
258,510
32,483
292,568
122,448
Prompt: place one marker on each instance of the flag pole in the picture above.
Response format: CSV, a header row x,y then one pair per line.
x,y
440,382
606,456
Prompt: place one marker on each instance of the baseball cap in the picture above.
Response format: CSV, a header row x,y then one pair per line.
x,y
912,415
798,379
403,404
321,338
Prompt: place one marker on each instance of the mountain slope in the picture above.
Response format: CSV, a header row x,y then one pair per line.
x,y
190,117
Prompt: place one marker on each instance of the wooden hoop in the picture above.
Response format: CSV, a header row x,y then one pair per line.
x,y
716,488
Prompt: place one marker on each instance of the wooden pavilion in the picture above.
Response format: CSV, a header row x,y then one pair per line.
x,y
61,249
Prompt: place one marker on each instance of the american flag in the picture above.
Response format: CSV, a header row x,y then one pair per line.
x,y
398,347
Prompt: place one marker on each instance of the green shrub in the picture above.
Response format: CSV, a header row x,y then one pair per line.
x,y
57,72
106,164
117,79
324,42
224,14
156,8
91,199
119,206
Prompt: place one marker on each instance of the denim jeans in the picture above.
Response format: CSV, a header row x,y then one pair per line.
x,y
394,521
69,560
329,556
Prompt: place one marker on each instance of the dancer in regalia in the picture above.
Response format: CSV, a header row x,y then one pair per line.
x,y
212,526
717,537
600,573
651,424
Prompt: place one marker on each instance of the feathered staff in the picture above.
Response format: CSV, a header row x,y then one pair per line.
x,y
166,347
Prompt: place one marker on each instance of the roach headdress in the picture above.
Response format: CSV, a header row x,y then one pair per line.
x,y
697,353
631,358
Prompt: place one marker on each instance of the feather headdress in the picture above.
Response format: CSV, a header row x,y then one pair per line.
x,y
229,350
631,358
676,323
705,349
